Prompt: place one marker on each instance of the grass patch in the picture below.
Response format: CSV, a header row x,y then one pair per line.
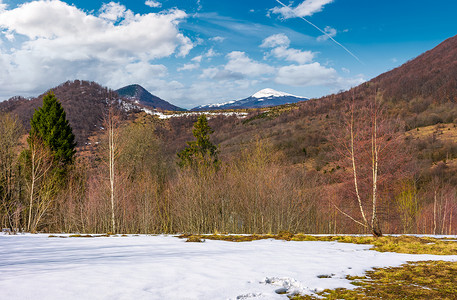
x,y
415,280
272,112
228,238
194,239
81,235
109,234
57,236
400,244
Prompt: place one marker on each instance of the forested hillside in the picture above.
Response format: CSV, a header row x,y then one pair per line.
x,y
379,158
85,103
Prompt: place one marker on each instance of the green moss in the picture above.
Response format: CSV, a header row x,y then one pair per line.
x,y
418,280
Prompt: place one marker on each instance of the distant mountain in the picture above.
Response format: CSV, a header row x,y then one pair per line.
x,y
140,95
263,98
85,104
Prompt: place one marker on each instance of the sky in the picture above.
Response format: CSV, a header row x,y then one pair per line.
x,y
194,52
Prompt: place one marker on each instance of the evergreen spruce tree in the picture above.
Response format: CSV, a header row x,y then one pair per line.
x,y
201,150
50,125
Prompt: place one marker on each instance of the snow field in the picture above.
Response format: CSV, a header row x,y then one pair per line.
x,y
165,267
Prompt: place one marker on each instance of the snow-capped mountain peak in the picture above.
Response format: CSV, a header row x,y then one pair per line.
x,y
263,98
266,93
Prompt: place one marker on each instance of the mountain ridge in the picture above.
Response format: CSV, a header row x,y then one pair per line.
x,y
263,98
140,95
85,104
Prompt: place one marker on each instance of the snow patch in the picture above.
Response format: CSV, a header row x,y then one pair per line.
x,y
249,296
165,267
289,286
216,104
195,113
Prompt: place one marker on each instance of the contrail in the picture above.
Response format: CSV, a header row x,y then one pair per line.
x,y
325,33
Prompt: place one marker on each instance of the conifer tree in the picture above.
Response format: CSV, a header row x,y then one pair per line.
x,y
50,125
201,150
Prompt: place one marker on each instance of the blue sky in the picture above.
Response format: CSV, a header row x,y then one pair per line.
x,y
193,52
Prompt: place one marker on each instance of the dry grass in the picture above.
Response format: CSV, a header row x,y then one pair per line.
x,y
194,239
442,132
418,280
400,244
109,234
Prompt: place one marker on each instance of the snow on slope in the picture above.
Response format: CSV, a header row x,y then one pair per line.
x,y
263,98
165,267
129,106
218,104
162,116
266,93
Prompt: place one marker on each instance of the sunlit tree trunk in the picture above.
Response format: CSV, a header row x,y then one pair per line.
x,y
112,149
40,166
10,131
366,139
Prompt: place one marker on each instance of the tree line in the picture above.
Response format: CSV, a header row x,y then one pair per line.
x,y
130,185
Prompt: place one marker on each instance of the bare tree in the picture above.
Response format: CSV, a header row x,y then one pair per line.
x,y
40,184
111,124
10,131
367,144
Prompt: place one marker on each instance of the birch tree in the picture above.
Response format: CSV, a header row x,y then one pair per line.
x,y
111,125
10,131
39,163
367,143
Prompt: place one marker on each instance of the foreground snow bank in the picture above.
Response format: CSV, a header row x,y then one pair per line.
x,y
164,267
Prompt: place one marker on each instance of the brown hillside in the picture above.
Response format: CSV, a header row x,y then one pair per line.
x,y
422,92
432,74
83,101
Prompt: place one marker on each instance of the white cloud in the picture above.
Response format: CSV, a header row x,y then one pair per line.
x,y
305,9
280,43
135,72
192,66
189,67
75,44
152,3
113,11
315,74
211,53
294,55
3,6
209,73
239,62
221,74
217,39
276,40
330,32
198,59
9,36
306,75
